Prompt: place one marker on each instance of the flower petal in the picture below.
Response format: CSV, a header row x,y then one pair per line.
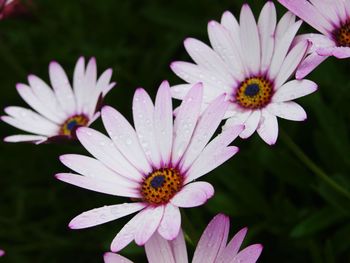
x,y
268,127
149,224
250,41
233,247
98,185
294,89
251,124
171,222
180,91
159,250
163,121
186,120
93,168
179,249
212,240
287,110
62,88
103,149
115,258
25,138
214,154
124,137
193,194
309,64
104,214
143,114
206,126
79,83
249,254
307,12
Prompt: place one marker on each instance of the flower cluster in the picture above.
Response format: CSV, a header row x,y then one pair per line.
x,y
245,77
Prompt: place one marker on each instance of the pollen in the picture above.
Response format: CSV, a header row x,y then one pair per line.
x,y
161,185
254,93
342,35
69,127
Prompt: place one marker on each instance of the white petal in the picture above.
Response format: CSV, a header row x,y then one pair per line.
x,y
291,62
103,149
98,185
206,126
180,91
193,194
214,154
79,83
294,89
179,249
62,88
25,138
251,124
171,222
288,110
231,24
143,114
159,250
125,138
149,224
287,20
237,118
186,120
163,121
268,127
93,168
267,26
104,214
250,41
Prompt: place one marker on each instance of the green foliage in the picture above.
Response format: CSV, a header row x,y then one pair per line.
x,y
286,204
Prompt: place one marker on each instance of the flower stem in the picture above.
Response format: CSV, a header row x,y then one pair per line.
x,y
312,166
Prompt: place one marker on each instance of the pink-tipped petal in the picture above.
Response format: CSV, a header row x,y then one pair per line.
x,y
306,11
186,120
124,137
338,52
151,217
250,41
193,194
180,91
104,214
233,247
159,250
286,21
79,82
115,258
171,222
213,239
98,185
163,121
249,254
308,65
288,110
294,89
143,114
268,127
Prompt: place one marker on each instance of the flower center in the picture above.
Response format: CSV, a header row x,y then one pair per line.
x,y
254,93
161,185
72,123
342,35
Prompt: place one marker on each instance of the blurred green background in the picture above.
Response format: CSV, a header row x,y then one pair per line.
x,y
281,193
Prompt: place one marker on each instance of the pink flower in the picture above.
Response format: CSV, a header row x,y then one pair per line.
x,y
2,253
155,165
251,62
212,247
332,19
10,8
59,112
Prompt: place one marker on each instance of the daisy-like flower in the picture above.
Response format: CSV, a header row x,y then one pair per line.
x,y
61,110
212,247
154,165
332,19
251,62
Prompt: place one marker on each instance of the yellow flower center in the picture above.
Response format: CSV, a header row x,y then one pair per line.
x,y
342,35
71,124
161,185
254,93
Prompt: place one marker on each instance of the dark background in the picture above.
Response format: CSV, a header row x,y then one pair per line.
x,y
281,193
